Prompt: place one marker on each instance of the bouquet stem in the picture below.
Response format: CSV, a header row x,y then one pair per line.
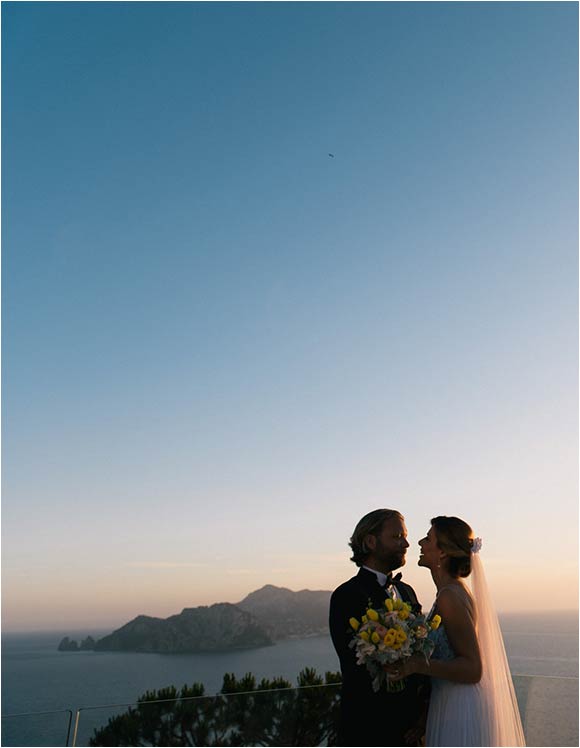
x,y
395,686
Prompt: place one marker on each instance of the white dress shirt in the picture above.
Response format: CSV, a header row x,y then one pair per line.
x,y
382,580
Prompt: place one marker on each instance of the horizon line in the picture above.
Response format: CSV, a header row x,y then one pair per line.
x,y
89,628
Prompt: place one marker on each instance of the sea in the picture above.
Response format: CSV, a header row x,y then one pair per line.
x,y
38,678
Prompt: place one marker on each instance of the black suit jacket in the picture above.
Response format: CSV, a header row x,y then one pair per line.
x,y
368,718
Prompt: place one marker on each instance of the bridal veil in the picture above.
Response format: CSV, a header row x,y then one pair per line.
x,y
496,681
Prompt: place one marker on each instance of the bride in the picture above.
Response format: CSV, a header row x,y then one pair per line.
x,y
473,702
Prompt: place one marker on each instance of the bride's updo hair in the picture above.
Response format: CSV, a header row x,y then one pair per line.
x,y
455,538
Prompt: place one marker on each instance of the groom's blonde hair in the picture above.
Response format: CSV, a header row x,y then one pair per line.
x,y
371,524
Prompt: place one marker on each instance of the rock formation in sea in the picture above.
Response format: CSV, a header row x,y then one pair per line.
x,y
68,645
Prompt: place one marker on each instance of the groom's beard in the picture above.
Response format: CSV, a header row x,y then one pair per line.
x,y
398,561
390,559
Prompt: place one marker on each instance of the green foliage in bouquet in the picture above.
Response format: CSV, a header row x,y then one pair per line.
x,y
244,713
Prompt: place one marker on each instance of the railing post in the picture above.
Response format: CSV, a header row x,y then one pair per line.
x,y
69,726
77,718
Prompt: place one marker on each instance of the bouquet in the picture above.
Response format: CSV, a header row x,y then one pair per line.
x,y
389,635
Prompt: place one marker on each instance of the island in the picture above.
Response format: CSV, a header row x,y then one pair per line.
x,y
265,616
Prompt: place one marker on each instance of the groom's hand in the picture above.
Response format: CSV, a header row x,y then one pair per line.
x,y
415,736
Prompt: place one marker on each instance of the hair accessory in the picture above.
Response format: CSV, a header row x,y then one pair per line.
x,y
476,544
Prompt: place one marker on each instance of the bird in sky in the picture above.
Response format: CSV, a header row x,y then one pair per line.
x,y
331,155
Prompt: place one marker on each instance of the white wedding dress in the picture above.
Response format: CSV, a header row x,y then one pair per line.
x,y
475,714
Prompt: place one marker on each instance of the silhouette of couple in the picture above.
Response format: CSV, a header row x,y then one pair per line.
x,y
462,696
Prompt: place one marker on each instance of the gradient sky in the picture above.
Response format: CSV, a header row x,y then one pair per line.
x,y
222,347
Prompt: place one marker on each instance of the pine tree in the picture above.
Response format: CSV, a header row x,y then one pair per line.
x,y
244,713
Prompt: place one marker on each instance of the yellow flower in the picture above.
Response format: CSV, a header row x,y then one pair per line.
x,y
364,635
398,605
364,619
389,604
435,621
390,638
397,645
354,624
372,614
375,638
403,614
401,637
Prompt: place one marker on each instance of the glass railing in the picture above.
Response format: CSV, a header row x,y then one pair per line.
x,y
304,716
27,728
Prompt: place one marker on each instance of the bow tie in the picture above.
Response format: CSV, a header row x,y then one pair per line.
x,y
392,579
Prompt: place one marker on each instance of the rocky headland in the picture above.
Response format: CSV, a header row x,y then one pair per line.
x,y
263,617
285,614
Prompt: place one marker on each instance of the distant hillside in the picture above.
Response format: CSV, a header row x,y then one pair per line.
x,y
264,616
204,629
284,613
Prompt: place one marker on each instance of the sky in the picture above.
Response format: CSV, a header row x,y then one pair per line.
x,y
222,346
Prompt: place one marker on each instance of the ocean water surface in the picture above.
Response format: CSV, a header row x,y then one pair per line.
x,y
36,677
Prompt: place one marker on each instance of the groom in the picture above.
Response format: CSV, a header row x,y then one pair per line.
x,y
379,544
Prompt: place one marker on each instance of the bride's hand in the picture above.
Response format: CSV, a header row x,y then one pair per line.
x,y
400,670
